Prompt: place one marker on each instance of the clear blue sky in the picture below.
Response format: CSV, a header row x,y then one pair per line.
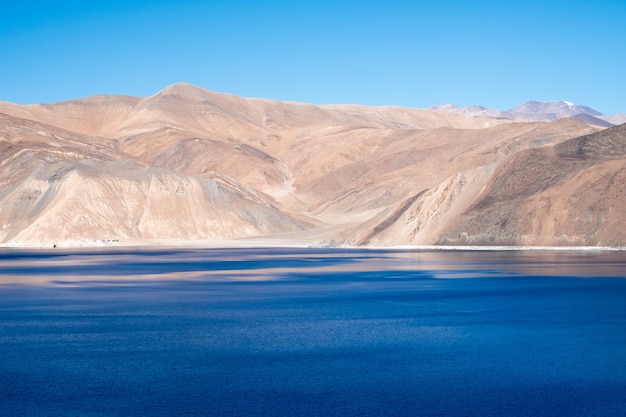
x,y
392,52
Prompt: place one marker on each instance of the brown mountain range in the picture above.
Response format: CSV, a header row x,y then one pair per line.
x,y
189,165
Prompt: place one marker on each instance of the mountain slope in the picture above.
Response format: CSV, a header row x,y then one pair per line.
x,y
189,164
59,186
97,201
572,193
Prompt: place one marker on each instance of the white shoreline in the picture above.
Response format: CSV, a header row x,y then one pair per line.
x,y
512,248
252,243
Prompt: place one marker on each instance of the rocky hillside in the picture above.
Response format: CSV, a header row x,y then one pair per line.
x,y
188,164
570,193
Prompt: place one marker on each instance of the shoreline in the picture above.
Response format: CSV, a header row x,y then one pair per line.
x,y
252,243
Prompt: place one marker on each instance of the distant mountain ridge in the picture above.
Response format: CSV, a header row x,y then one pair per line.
x,y
540,111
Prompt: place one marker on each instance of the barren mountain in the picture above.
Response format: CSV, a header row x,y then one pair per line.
x,y
188,164
569,193
540,111
550,110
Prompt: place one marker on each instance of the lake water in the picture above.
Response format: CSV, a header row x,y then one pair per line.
x,y
304,332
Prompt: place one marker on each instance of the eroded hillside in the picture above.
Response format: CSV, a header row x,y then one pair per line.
x,y
188,164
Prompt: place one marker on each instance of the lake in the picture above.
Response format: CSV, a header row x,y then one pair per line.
x,y
312,332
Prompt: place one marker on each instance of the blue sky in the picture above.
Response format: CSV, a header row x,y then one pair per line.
x,y
407,53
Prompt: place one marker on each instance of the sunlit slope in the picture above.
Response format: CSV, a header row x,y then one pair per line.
x,y
570,193
58,187
190,164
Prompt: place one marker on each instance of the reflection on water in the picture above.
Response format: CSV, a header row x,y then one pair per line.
x,y
312,332
267,264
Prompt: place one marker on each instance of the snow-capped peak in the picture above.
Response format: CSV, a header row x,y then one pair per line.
x,y
531,110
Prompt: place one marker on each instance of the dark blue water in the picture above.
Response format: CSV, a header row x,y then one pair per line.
x,y
265,332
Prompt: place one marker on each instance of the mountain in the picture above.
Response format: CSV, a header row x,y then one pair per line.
x,y
67,188
614,119
190,165
476,111
540,111
567,193
550,110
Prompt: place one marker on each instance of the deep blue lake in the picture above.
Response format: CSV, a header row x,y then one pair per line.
x,y
312,332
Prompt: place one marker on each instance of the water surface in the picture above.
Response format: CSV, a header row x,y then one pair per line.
x,y
312,332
